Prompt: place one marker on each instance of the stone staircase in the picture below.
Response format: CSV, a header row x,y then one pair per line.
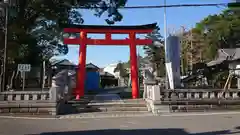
x,y
88,107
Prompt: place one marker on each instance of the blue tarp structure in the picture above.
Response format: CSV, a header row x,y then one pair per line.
x,y
92,81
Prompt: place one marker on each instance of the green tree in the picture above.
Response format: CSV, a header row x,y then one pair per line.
x,y
121,69
192,45
34,31
155,52
219,31
212,33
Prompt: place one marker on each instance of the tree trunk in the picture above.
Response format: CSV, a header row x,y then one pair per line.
x,y
1,76
11,80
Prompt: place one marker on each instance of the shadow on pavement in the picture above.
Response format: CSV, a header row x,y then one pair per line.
x,y
170,131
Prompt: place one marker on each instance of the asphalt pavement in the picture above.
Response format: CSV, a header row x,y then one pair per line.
x,y
207,124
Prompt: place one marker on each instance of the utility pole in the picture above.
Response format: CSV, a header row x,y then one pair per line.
x,y
5,3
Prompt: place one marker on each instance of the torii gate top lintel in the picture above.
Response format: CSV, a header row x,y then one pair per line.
x,y
108,31
72,28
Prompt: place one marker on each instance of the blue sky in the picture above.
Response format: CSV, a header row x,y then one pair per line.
x,y
176,17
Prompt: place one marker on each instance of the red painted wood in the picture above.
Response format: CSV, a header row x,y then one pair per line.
x,y
134,67
81,66
108,42
75,41
108,36
100,31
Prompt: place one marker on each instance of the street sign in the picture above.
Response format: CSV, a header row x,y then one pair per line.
x,y
24,67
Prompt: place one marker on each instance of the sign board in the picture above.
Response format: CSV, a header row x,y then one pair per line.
x,y
24,67
170,75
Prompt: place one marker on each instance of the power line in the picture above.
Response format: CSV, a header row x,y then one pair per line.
x,y
160,6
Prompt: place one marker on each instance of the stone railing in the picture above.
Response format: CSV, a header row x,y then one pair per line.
x,y
52,101
199,94
38,102
24,95
34,102
159,100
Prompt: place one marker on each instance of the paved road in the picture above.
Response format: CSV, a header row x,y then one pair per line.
x,y
161,125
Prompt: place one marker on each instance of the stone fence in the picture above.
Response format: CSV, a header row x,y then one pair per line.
x,y
27,102
159,99
52,101
37,102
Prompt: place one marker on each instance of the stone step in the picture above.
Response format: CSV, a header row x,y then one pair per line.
x,y
108,102
126,104
118,107
161,109
134,100
134,105
111,106
112,109
107,115
117,102
106,109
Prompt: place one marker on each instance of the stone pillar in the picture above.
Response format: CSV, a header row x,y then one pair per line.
x,y
59,83
238,83
151,87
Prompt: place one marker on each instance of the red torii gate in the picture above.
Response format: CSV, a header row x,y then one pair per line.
x,y
132,41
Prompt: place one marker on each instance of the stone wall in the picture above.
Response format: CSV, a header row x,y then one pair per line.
x,y
160,100
27,102
38,102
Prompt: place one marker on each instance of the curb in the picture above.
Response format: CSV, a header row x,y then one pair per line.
x,y
28,118
76,116
119,116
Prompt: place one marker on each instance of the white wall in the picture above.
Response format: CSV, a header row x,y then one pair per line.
x,y
110,69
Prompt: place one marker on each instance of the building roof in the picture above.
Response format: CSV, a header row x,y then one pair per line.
x,y
90,65
229,54
63,62
106,74
234,53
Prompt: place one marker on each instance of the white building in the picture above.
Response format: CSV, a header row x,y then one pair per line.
x,y
110,69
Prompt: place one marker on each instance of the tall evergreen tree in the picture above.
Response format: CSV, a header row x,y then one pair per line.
x,y
155,52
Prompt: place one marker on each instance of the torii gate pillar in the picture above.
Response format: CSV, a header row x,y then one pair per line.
x,y
134,66
81,66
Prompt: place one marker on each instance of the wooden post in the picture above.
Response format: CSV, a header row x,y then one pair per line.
x,y
23,80
81,66
134,67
